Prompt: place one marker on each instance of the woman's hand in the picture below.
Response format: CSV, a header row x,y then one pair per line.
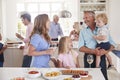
x,y
50,51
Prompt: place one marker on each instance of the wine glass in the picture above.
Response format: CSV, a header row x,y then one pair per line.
x,y
90,60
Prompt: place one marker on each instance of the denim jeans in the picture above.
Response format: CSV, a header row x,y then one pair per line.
x,y
1,64
26,61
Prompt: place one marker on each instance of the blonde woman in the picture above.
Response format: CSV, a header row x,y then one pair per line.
x,y
40,42
68,58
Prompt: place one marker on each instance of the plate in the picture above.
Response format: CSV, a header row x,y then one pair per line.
x,y
52,75
18,78
69,78
33,74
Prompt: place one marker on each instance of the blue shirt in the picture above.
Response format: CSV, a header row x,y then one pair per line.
x,y
55,30
40,44
86,38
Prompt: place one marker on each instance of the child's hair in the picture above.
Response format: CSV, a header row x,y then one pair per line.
x,y
63,44
102,17
40,26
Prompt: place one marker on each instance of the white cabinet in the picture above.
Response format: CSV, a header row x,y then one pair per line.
x,y
99,6
115,61
13,57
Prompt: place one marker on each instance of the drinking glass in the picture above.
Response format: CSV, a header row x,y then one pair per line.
x,y
90,60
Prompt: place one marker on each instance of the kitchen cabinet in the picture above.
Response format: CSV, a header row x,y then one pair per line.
x,y
99,6
13,57
115,61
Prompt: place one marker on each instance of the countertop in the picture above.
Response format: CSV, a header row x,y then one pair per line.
x,y
10,73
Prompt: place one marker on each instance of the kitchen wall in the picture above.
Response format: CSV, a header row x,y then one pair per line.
x,y
114,16
0,14
3,18
11,18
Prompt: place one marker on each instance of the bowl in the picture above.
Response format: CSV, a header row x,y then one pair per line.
x,y
34,74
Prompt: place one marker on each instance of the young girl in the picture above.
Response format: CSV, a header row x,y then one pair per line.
x,y
68,58
40,42
103,37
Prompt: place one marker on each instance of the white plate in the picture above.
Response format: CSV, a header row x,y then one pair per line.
x,y
84,76
68,76
71,78
52,78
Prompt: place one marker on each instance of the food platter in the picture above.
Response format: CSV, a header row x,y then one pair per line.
x,y
52,74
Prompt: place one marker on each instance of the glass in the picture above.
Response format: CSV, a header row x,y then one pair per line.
x,y
90,60
53,45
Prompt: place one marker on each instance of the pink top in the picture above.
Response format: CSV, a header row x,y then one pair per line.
x,y
68,59
27,39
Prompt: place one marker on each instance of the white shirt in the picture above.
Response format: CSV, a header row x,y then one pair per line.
x,y
103,31
27,39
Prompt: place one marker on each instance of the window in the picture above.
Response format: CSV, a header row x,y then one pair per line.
x,y
21,27
35,7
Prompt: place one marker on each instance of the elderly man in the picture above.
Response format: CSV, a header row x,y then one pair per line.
x,y
55,29
87,44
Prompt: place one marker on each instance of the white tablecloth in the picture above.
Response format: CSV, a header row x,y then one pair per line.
x,y
9,73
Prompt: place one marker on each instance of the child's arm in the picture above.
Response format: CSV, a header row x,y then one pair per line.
x,y
100,37
77,63
3,49
54,61
60,65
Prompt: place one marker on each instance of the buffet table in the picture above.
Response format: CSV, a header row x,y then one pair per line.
x,y
11,73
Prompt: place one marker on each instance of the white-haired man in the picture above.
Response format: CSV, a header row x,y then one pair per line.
x,y
55,29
